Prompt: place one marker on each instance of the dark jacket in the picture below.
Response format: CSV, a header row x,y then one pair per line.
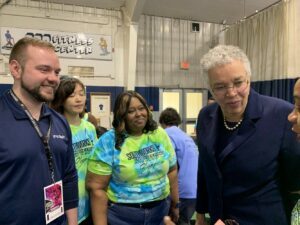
x,y
256,170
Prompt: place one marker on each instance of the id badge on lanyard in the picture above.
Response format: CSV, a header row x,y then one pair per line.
x,y
53,201
53,193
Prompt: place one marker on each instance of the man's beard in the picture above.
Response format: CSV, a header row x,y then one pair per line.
x,y
36,93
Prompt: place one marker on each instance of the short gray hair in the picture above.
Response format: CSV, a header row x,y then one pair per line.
x,y
222,55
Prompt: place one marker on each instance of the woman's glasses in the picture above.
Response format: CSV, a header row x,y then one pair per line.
x,y
222,89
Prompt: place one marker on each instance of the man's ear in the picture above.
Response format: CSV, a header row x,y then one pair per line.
x,y
15,69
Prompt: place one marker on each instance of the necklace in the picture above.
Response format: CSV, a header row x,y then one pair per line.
x,y
234,127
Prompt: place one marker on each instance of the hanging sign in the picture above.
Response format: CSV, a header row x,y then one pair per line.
x,y
69,45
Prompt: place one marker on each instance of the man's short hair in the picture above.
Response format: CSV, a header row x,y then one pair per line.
x,y
170,117
19,50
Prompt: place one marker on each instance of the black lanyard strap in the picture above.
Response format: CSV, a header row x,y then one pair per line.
x,y
45,139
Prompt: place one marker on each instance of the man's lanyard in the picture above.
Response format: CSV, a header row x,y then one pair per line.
x,y
45,139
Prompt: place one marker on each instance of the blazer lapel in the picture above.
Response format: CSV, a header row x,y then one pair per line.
x,y
252,113
212,128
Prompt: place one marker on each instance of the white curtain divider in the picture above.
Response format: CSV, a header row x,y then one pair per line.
x,y
271,40
163,43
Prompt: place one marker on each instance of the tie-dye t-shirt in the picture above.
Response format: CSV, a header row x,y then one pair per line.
x,y
296,214
83,138
139,170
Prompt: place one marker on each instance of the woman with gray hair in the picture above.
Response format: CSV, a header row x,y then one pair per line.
x,y
250,158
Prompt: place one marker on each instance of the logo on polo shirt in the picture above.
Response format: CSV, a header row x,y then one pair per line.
x,y
59,136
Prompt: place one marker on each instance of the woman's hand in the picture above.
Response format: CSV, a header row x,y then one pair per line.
x,y
174,214
168,221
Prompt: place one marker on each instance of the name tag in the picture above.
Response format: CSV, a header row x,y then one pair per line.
x,y
53,201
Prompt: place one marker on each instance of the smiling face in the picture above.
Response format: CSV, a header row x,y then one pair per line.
x,y
230,87
136,117
75,103
37,79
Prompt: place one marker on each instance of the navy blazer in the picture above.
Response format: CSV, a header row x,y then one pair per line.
x,y
256,171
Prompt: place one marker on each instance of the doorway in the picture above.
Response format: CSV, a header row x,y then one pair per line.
x,y
187,102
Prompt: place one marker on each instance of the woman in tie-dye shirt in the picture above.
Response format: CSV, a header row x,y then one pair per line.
x,y
70,101
132,173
